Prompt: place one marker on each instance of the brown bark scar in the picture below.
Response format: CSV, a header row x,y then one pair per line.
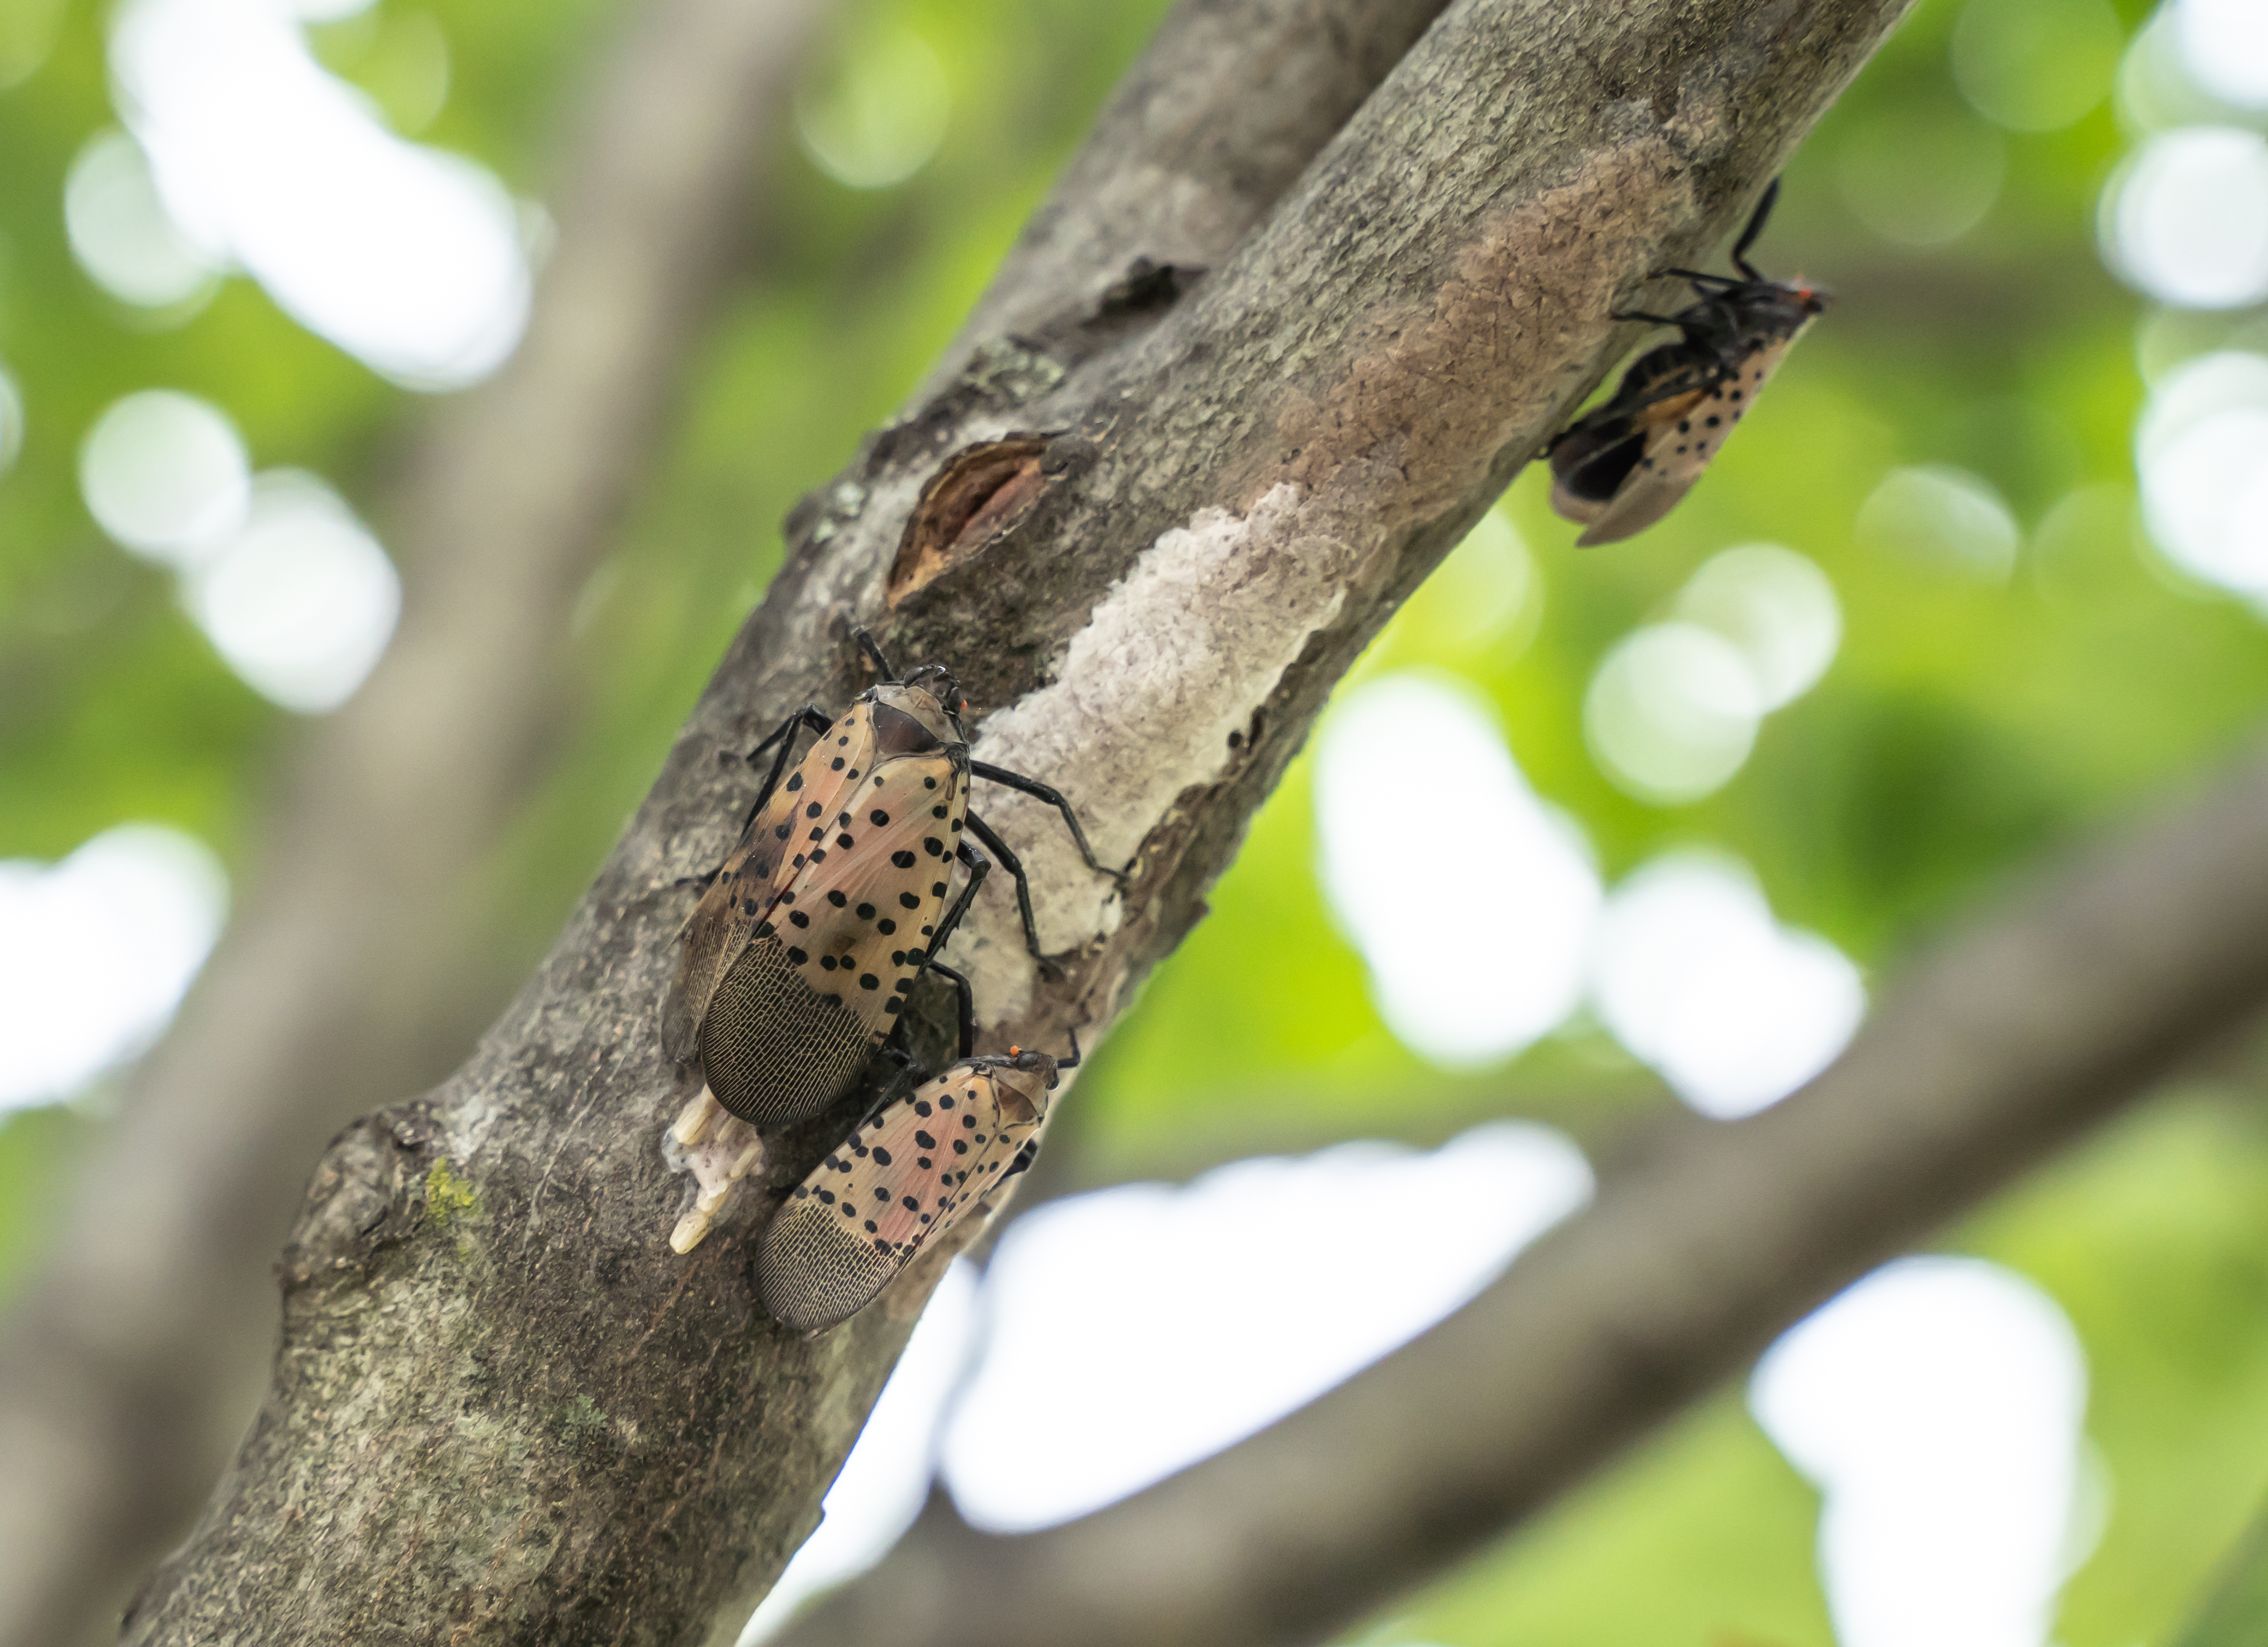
x,y
978,493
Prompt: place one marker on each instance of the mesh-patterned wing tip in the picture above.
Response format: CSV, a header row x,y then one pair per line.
x,y
812,1275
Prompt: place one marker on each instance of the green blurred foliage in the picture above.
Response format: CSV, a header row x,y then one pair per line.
x,y
1966,724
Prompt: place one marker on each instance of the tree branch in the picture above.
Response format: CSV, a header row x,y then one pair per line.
x,y
1201,136
503,1410
2237,1608
128,1371
2007,1043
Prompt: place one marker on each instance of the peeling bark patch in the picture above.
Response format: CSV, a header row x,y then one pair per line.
x,y
1179,655
1510,331
965,505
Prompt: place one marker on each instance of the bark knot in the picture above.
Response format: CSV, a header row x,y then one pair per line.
x,y
359,1203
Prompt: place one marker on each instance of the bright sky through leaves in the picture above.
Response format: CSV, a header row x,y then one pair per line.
x,y
407,257
1938,1405
98,950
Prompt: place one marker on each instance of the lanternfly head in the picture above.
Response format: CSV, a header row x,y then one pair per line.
x,y
1030,1060
1054,1064
938,681
1792,306
919,713
935,680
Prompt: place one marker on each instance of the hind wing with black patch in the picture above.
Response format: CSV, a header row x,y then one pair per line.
x,y
1620,487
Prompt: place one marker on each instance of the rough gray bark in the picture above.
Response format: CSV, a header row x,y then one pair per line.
x,y
2013,1038
130,1366
503,1410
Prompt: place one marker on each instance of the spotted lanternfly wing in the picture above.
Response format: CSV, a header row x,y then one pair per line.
x,y
1623,465
740,900
802,953
1620,486
864,912
913,1169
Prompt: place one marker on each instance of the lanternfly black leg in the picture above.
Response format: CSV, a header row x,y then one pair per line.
x,y
1640,314
909,1071
785,737
1756,221
874,655
1750,274
808,716
1040,791
968,1006
1015,868
979,866
1025,1156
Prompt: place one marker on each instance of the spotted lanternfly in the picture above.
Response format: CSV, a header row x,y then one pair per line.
x,y
912,1170
800,955
1624,465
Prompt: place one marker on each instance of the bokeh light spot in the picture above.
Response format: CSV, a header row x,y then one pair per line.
x,y
301,602
2036,65
409,258
323,10
1136,1330
1937,1405
1470,899
1777,606
1672,713
2224,46
1487,592
120,234
409,71
12,423
2202,451
96,952
2185,219
874,111
27,33
1943,516
166,474
1924,178
1696,978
